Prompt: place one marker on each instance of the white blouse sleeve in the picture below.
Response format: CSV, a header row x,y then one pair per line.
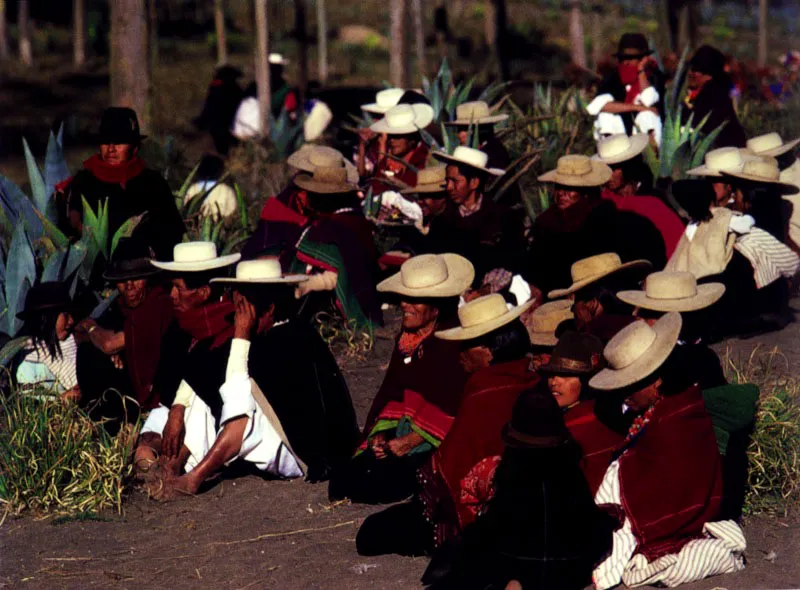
x,y
648,97
598,104
184,395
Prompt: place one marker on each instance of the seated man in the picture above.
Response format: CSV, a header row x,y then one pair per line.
x,y
666,485
414,408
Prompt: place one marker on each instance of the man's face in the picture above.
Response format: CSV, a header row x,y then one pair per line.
x,y
431,206
565,197
696,80
475,358
463,135
186,299
723,193
616,181
641,400
459,187
417,316
116,154
567,390
400,145
132,292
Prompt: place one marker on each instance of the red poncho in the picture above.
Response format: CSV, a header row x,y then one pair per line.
x,y
596,440
667,222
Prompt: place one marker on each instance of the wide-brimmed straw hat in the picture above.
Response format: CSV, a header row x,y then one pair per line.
x,y
673,291
574,354
467,156
431,275
577,170
404,119
429,180
50,296
545,319
636,351
384,101
615,149
196,257
261,272
481,316
310,157
326,180
130,261
761,170
770,144
589,270
720,160
476,113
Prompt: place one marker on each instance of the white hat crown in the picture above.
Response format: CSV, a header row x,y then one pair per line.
x,y
402,115
724,159
471,156
258,269
670,285
549,316
194,252
481,310
762,169
629,344
423,271
594,265
389,97
473,111
764,143
613,146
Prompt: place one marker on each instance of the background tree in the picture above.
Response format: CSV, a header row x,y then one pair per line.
x,y
78,32
4,51
262,64
301,34
398,60
23,29
762,33
219,27
578,49
419,35
129,59
322,42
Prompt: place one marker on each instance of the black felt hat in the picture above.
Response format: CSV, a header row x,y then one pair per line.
x,y
536,422
48,296
130,261
633,45
709,61
119,125
575,354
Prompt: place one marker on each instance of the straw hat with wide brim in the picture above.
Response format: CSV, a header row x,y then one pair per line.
x,y
325,180
587,271
637,351
261,272
467,156
545,319
431,275
429,180
720,160
761,171
481,316
673,291
384,101
404,119
770,144
615,149
310,157
476,113
577,170
196,257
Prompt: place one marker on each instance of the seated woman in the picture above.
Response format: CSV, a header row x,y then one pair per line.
x,y
666,484
541,528
50,362
415,406
494,351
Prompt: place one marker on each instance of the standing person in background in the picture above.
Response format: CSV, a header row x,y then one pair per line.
x,y
219,110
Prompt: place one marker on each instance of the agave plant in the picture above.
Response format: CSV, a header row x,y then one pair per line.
x,y
444,95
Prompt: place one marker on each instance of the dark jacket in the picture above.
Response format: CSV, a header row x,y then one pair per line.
x,y
714,100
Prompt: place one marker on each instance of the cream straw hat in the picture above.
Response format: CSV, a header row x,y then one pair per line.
x,y
431,275
762,171
325,180
429,180
196,257
481,316
261,272
476,113
309,157
545,319
770,144
620,148
470,157
587,271
673,291
721,160
576,170
404,119
384,100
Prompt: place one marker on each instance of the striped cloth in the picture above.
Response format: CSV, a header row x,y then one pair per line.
x,y
720,552
39,368
770,258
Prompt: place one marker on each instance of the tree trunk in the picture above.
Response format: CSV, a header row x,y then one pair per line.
x,y
25,47
78,32
219,26
666,28
576,34
129,63
762,33
419,36
152,32
501,44
5,53
262,65
398,75
322,42
302,41
597,36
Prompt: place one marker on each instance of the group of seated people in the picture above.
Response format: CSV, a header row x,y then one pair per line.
x,y
552,413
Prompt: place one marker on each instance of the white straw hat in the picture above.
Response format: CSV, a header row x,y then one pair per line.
x,y
384,100
481,316
469,157
721,160
196,257
761,170
310,157
673,291
620,148
261,272
587,271
431,275
432,179
770,144
545,319
577,170
276,59
404,119
637,351
476,113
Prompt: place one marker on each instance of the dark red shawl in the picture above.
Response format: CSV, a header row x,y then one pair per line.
x,y
119,174
214,321
671,476
666,221
596,440
144,329
475,435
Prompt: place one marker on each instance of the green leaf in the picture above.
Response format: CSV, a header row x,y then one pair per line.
x,y
243,219
38,189
125,231
181,194
51,231
11,349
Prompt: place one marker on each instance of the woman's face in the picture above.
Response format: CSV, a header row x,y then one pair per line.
x,y
417,316
64,324
723,193
117,154
567,390
565,197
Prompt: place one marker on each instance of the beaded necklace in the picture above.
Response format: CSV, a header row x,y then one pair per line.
x,y
641,421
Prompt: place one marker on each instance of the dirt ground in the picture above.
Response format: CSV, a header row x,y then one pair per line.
x,y
245,532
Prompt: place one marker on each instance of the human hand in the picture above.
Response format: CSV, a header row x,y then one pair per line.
x,y
83,329
72,395
117,361
366,134
174,431
383,141
378,445
244,318
403,445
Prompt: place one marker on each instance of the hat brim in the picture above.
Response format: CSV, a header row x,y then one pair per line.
x,y
667,330
781,149
637,55
376,109
306,182
483,328
704,171
423,117
300,160
26,314
450,159
133,275
785,188
425,188
557,369
490,120
638,145
460,274
282,280
634,264
597,177
197,266
707,295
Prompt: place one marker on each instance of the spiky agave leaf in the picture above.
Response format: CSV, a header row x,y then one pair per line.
x,y
125,231
51,231
19,209
55,169
181,194
11,349
103,304
20,276
38,189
